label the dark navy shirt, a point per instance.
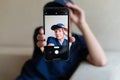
(56, 42)
(38, 68)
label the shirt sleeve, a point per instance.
(81, 47)
(51, 40)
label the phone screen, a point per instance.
(56, 27)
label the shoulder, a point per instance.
(79, 46)
(80, 43)
(51, 38)
(79, 38)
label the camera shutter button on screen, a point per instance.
(56, 52)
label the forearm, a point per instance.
(96, 52)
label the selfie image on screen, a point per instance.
(56, 30)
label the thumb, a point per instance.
(71, 40)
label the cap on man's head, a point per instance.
(57, 3)
(59, 25)
(63, 2)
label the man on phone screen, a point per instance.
(59, 39)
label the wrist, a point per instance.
(42, 49)
(82, 25)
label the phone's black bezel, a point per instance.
(60, 11)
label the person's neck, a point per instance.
(61, 40)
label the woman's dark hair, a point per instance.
(37, 52)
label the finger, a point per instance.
(73, 7)
(76, 9)
(66, 29)
(40, 37)
(41, 31)
(72, 16)
(72, 39)
(41, 43)
(42, 49)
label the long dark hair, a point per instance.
(37, 52)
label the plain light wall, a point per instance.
(19, 18)
(103, 17)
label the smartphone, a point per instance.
(56, 28)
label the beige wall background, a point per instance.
(19, 18)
